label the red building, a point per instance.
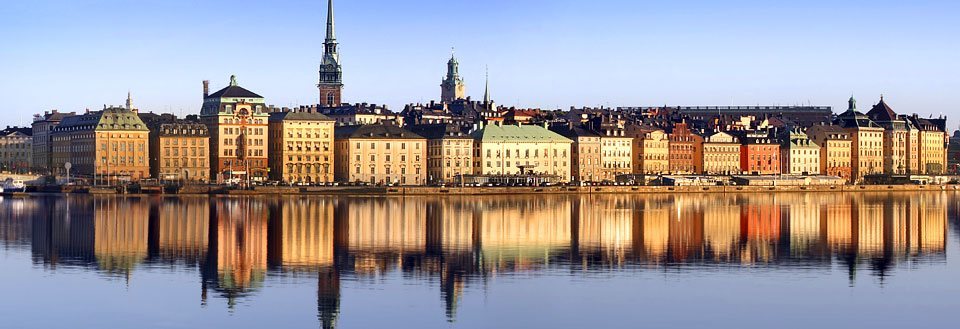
(759, 154)
(682, 149)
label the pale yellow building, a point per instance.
(379, 154)
(586, 154)
(867, 143)
(514, 149)
(301, 147)
(799, 155)
(616, 154)
(449, 152)
(237, 121)
(719, 154)
(835, 149)
(104, 146)
(931, 148)
(651, 150)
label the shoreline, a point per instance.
(552, 190)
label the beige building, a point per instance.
(379, 154)
(932, 147)
(867, 142)
(586, 153)
(617, 155)
(179, 149)
(104, 146)
(719, 154)
(43, 126)
(896, 140)
(651, 150)
(449, 152)
(798, 154)
(237, 121)
(301, 147)
(16, 150)
(835, 149)
(514, 149)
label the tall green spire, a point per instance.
(486, 88)
(331, 35)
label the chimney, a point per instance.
(206, 88)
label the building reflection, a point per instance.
(460, 243)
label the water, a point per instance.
(878, 260)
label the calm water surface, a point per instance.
(614, 261)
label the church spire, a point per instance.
(852, 104)
(331, 34)
(331, 74)
(129, 101)
(486, 88)
(452, 87)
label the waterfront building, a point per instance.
(719, 154)
(798, 154)
(803, 116)
(759, 154)
(379, 154)
(586, 155)
(682, 148)
(237, 121)
(449, 151)
(43, 126)
(179, 149)
(616, 147)
(867, 142)
(932, 146)
(835, 149)
(521, 149)
(896, 140)
(16, 149)
(331, 73)
(452, 88)
(106, 146)
(300, 147)
(651, 149)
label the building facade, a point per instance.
(179, 149)
(521, 149)
(105, 146)
(449, 152)
(799, 155)
(43, 126)
(16, 150)
(932, 147)
(682, 148)
(759, 154)
(651, 150)
(237, 121)
(897, 150)
(835, 150)
(867, 142)
(586, 152)
(379, 154)
(719, 154)
(301, 147)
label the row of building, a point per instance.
(237, 137)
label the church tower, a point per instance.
(452, 88)
(331, 74)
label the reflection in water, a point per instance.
(456, 242)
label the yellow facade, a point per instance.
(505, 149)
(719, 154)
(932, 153)
(651, 152)
(104, 146)
(448, 158)
(616, 156)
(301, 148)
(867, 152)
(380, 154)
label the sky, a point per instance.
(73, 55)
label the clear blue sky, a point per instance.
(76, 54)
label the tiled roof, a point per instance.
(882, 112)
(438, 131)
(234, 92)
